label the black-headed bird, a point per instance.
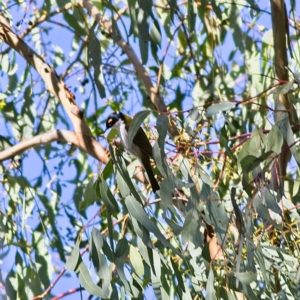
(140, 147)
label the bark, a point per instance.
(279, 23)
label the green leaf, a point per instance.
(123, 178)
(159, 152)
(136, 211)
(122, 252)
(239, 221)
(143, 11)
(250, 162)
(192, 10)
(275, 140)
(261, 262)
(224, 143)
(133, 25)
(146, 252)
(217, 215)
(122, 249)
(74, 258)
(166, 193)
(179, 276)
(155, 33)
(108, 170)
(156, 276)
(191, 228)
(86, 281)
(105, 194)
(135, 125)
(112, 135)
(263, 212)
(271, 201)
(283, 123)
(246, 277)
(210, 290)
(89, 196)
(99, 261)
(95, 61)
(75, 21)
(216, 108)
(192, 119)
(136, 261)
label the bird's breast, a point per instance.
(133, 150)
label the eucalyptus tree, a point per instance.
(214, 86)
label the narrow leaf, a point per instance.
(246, 277)
(216, 108)
(136, 261)
(95, 60)
(86, 281)
(210, 290)
(73, 260)
(135, 125)
(136, 211)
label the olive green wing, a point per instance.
(143, 142)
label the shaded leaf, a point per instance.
(89, 196)
(95, 60)
(99, 260)
(250, 162)
(191, 228)
(136, 211)
(271, 201)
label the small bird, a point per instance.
(140, 148)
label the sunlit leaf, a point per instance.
(210, 291)
(73, 260)
(135, 125)
(216, 108)
(136, 261)
(86, 281)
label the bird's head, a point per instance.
(114, 119)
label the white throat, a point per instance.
(123, 134)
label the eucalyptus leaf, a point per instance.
(216, 108)
(135, 125)
(136, 211)
(86, 281)
(210, 291)
(74, 258)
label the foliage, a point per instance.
(225, 223)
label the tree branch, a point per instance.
(65, 136)
(279, 19)
(56, 87)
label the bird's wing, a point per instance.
(143, 142)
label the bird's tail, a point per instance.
(151, 177)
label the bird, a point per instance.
(140, 147)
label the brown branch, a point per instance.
(56, 135)
(69, 292)
(279, 20)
